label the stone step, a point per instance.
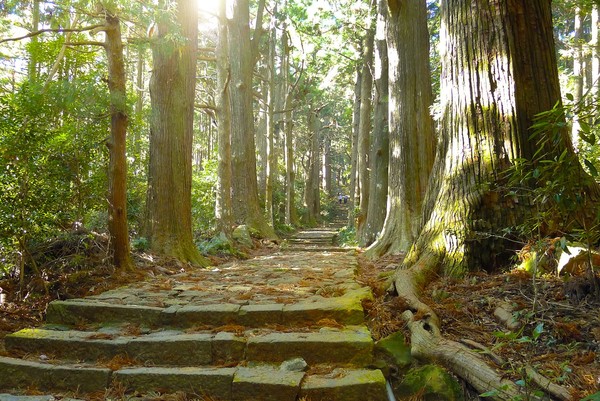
(17, 373)
(319, 239)
(346, 309)
(349, 346)
(252, 383)
(314, 248)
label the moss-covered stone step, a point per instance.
(259, 383)
(346, 346)
(345, 385)
(351, 345)
(17, 373)
(253, 383)
(346, 309)
(161, 348)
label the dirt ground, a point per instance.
(558, 337)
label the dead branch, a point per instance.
(55, 30)
(555, 390)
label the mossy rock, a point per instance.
(218, 244)
(431, 383)
(394, 350)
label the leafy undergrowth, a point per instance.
(559, 337)
(73, 266)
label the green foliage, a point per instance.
(203, 197)
(593, 397)
(347, 237)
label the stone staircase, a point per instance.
(287, 326)
(322, 239)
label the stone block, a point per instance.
(265, 383)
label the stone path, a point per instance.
(288, 326)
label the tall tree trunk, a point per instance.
(139, 105)
(271, 164)
(412, 143)
(595, 46)
(117, 175)
(35, 26)
(379, 159)
(354, 149)
(172, 92)
(326, 166)
(364, 132)
(498, 72)
(291, 217)
(578, 71)
(312, 196)
(223, 203)
(486, 127)
(246, 208)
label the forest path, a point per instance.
(285, 326)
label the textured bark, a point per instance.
(494, 81)
(354, 150)
(312, 199)
(117, 169)
(246, 208)
(498, 71)
(291, 215)
(271, 164)
(326, 166)
(578, 71)
(172, 90)
(139, 104)
(595, 46)
(223, 203)
(364, 132)
(379, 159)
(412, 143)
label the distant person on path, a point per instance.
(340, 197)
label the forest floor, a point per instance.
(560, 339)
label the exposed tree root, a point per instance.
(428, 344)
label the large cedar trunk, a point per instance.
(172, 89)
(246, 207)
(379, 158)
(412, 143)
(117, 176)
(498, 71)
(488, 103)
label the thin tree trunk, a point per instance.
(312, 188)
(578, 71)
(412, 143)
(32, 66)
(595, 45)
(271, 155)
(354, 150)
(379, 159)
(139, 105)
(326, 166)
(223, 203)
(117, 176)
